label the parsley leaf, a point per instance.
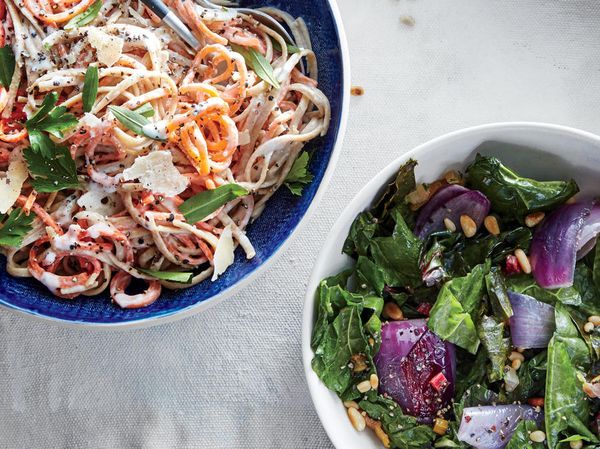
(299, 175)
(7, 65)
(85, 17)
(14, 229)
(51, 118)
(257, 62)
(90, 88)
(50, 165)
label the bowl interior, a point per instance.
(281, 216)
(535, 150)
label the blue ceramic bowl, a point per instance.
(269, 233)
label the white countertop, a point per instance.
(232, 377)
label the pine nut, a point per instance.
(534, 219)
(357, 420)
(523, 261)
(594, 319)
(576, 444)
(537, 436)
(516, 364)
(371, 423)
(450, 226)
(351, 404)
(516, 356)
(383, 437)
(392, 311)
(468, 226)
(364, 386)
(521, 350)
(453, 177)
(588, 327)
(359, 363)
(374, 380)
(491, 224)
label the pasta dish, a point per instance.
(130, 161)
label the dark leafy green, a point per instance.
(404, 431)
(394, 197)
(514, 195)
(532, 378)
(526, 285)
(361, 233)
(455, 312)
(521, 440)
(369, 275)
(496, 288)
(491, 334)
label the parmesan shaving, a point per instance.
(108, 48)
(224, 253)
(157, 173)
(10, 186)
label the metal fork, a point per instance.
(259, 16)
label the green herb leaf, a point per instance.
(514, 195)
(14, 229)
(146, 110)
(85, 17)
(51, 118)
(205, 203)
(50, 165)
(90, 88)
(299, 175)
(173, 276)
(258, 63)
(290, 48)
(132, 120)
(7, 65)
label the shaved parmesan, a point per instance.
(10, 185)
(224, 253)
(98, 200)
(157, 173)
(108, 48)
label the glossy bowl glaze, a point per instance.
(536, 150)
(269, 233)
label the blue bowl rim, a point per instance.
(171, 316)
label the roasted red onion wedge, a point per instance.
(553, 251)
(532, 323)
(451, 202)
(492, 426)
(416, 368)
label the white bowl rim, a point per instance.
(348, 214)
(230, 291)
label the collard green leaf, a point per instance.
(50, 165)
(7, 65)
(15, 228)
(205, 203)
(520, 438)
(325, 307)
(257, 62)
(398, 255)
(513, 195)
(496, 288)
(532, 378)
(471, 371)
(343, 338)
(395, 195)
(369, 275)
(404, 431)
(90, 88)
(86, 17)
(454, 313)
(568, 332)
(51, 118)
(173, 276)
(361, 233)
(584, 284)
(525, 284)
(497, 347)
(299, 176)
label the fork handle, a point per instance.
(157, 7)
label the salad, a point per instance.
(471, 317)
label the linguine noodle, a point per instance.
(214, 122)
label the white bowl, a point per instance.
(537, 150)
